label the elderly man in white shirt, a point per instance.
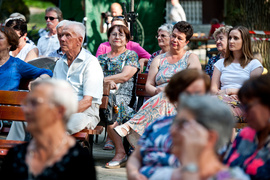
(49, 43)
(83, 71)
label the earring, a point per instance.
(25, 39)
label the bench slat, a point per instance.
(12, 97)
(11, 113)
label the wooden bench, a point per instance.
(10, 110)
(140, 89)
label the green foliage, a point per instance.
(38, 3)
(8, 7)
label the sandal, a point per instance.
(108, 145)
(118, 130)
(117, 164)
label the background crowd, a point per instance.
(185, 130)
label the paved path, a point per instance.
(101, 157)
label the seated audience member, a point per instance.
(237, 66)
(13, 69)
(202, 126)
(214, 25)
(142, 53)
(25, 51)
(49, 43)
(221, 38)
(163, 37)
(51, 153)
(251, 147)
(162, 69)
(120, 67)
(84, 73)
(154, 147)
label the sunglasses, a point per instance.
(51, 18)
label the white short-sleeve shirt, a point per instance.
(84, 74)
(47, 44)
(233, 75)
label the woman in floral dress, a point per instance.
(161, 70)
(120, 67)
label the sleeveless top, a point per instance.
(24, 51)
(167, 70)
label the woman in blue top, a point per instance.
(13, 69)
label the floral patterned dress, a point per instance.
(112, 66)
(159, 104)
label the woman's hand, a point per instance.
(159, 89)
(194, 139)
(111, 84)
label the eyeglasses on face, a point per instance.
(120, 35)
(51, 18)
(162, 36)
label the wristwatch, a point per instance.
(191, 167)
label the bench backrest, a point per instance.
(140, 89)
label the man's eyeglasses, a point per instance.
(162, 36)
(49, 17)
(118, 17)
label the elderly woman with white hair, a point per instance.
(163, 37)
(202, 126)
(51, 153)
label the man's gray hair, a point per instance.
(78, 28)
(211, 113)
(62, 23)
(62, 94)
(166, 27)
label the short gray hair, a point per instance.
(77, 27)
(166, 27)
(62, 23)
(62, 94)
(211, 113)
(222, 30)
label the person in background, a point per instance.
(257, 55)
(202, 126)
(251, 147)
(120, 67)
(177, 13)
(116, 10)
(51, 153)
(162, 69)
(163, 37)
(13, 69)
(154, 147)
(221, 37)
(25, 51)
(131, 45)
(214, 25)
(49, 43)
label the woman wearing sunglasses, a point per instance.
(25, 51)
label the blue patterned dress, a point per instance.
(112, 66)
(209, 68)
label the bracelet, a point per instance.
(191, 167)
